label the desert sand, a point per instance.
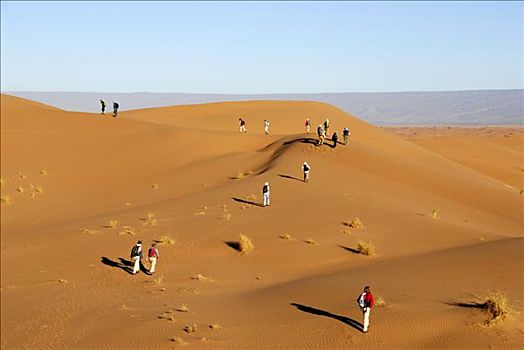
(442, 207)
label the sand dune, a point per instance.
(189, 169)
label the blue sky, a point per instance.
(261, 47)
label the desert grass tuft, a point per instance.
(245, 244)
(126, 230)
(20, 174)
(200, 277)
(242, 174)
(183, 308)
(310, 241)
(111, 224)
(366, 248)
(43, 172)
(380, 301)
(435, 215)
(496, 306)
(39, 190)
(165, 240)
(355, 223)
(6, 200)
(87, 231)
(251, 197)
(61, 280)
(285, 237)
(215, 326)
(20, 189)
(150, 219)
(154, 186)
(190, 329)
(178, 340)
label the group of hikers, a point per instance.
(137, 255)
(115, 107)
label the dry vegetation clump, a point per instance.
(183, 308)
(178, 340)
(251, 197)
(154, 186)
(242, 174)
(87, 230)
(226, 216)
(167, 315)
(111, 224)
(215, 326)
(20, 189)
(200, 277)
(286, 237)
(310, 241)
(158, 280)
(435, 215)
(380, 301)
(366, 248)
(165, 240)
(20, 174)
(126, 230)
(6, 200)
(61, 280)
(245, 244)
(496, 305)
(150, 219)
(190, 329)
(355, 223)
(43, 172)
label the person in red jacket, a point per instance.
(366, 302)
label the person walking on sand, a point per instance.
(115, 109)
(321, 135)
(307, 124)
(305, 169)
(334, 138)
(326, 126)
(103, 106)
(345, 133)
(242, 124)
(366, 302)
(136, 256)
(266, 126)
(265, 194)
(152, 256)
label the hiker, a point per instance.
(326, 126)
(346, 133)
(321, 135)
(366, 302)
(152, 256)
(334, 138)
(242, 124)
(266, 126)
(306, 168)
(103, 105)
(136, 256)
(115, 108)
(265, 194)
(308, 125)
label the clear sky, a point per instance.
(261, 47)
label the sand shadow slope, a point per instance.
(311, 310)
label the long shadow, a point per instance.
(311, 310)
(121, 265)
(290, 177)
(233, 244)
(309, 140)
(241, 200)
(352, 250)
(471, 305)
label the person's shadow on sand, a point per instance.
(123, 264)
(311, 310)
(245, 201)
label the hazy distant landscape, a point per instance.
(478, 107)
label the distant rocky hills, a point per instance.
(475, 107)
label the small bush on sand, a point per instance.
(251, 197)
(165, 240)
(245, 244)
(6, 200)
(496, 305)
(355, 223)
(366, 248)
(215, 326)
(126, 230)
(183, 308)
(43, 172)
(380, 301)
(285, 237)
(242, 174)
(87, 231)
(20, 189)
(154, 186)
(111, 224)
(150, 219)
(200, 277)
(20, 174)
(435, 215)
(39, 190)
(178, 340)
(310, 241)
(190, 329)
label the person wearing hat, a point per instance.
(306, 168)
(136, 256)
(265, 194)
(152, 256)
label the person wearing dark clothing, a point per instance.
(103, 105)
(334, 138)
(305, 169)
(115, 108)
(346, 135)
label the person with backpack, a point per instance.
(266, 126)
(305, 169)
(308, 125)
(152, 256)
(103, 106)
(326, 126)
(366, 302)
(321, 135)
(334, 138)
(115, 108)
(345, 133)
(242, 124)
(136, 256)
(265, 194)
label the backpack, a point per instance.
(361, 300)
(152, 252)
(306, 168)
(134, 251)
(265, 189)
(116, 105)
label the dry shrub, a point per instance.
(126, 230)
(165, 240)
(178, 340)
(366, 248)
(251, 197)
(190, 329)
(226, 216)
(435, 215)
(6, 200)
(154, 186)
(310, 241)
(355, 223)
(20, 174)
(380, 301)
(33, 195)
(20, 189)
(243, 174)
(111, 224)
(88, 231)
(39, 190)
(158, 280)
(167, 315)
(245, 244)
(200, 277)
(150, 219)
(43, 172)
(285, 237)
(61, 280)
(215, 326)
(183, 308)
(496, 305)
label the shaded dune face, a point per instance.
(83, 188)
